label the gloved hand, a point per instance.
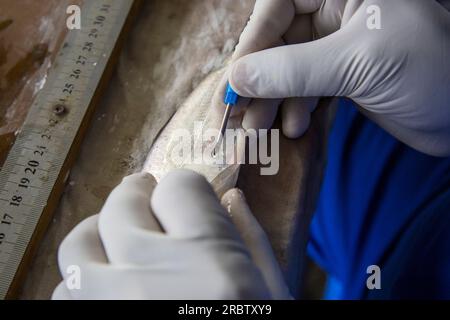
(123, 254)
(399, 74)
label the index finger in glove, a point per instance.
(257, 242)
(187, 207)
(126, 219)
(269, 22)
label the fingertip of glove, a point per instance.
(184, 177)
(176, 181)
(295, 129)
(239, 77)
(138, 177)
(231, 198)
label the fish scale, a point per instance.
(198, 109)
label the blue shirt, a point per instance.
(381, 203)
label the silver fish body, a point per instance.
(282, 203)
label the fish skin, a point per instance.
(197, 108)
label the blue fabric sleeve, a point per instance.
(381, 203)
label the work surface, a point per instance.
(172, 47)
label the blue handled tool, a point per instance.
(230, 99)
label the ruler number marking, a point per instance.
(31, 169)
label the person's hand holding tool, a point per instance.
(399, 74)
(202, 253)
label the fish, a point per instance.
(194, 119)
(282, 203)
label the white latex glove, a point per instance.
(399, 75)
(123, 254)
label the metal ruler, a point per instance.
(33, 175)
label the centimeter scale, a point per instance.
(33, 175)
